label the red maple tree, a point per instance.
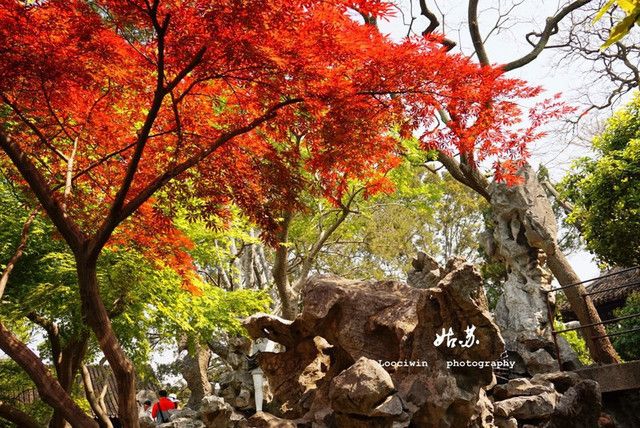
(105, 102)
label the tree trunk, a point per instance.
(281, 270)
(17, 416)
(48, 387)
(194, 371)
(601, 349)
(67, 365)
(98, 320)
(96, 404)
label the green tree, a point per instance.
(628, 344)
(605, 191)
(147, 300)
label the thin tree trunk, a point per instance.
(600, 350)
(67, 364)
(19, 251)
(48, 387)
(97, 318)
(94, 401)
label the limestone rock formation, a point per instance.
(523, 227)
(350, 332)
(236, 384)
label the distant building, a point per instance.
(609, 292)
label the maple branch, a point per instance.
(465, 174)
(69, 177)
(433, 24)
(48, 387)
(18, 253)
(67, 228)
(188, 69)
(474, 31)
(550, 28)
(310, 257)
(43, 139)
(160, 181)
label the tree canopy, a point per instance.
(605, 191)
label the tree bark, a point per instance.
(17, 416)
(24, 235)
(48, 387)
(194, 371)
(67, 363)
(601, 349)
(281, 269)
(97, 318)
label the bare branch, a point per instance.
(550, 28)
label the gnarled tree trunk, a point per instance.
(98, 319)
(193, 368)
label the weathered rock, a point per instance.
(386, 322)
(392, 406)
(524, 226)
(426, 272)
(561, 380)
(360, 388)
(236, 384)
(215, 412)
(579, 406)
(570, 360)
(267, 420)
(527, 407)
(506, 422)
(182, 413)
(183, 423)
(484, 417)
(147, 422)
(520, 387)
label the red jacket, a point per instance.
(165, 404)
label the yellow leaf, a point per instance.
(620, 30)
(604, 9)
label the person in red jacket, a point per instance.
(160, 411)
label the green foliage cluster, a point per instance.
(426, 212)
(605, 191)
(628, 344)
(576, 342)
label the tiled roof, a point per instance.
(612, 288)
(102, 375)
